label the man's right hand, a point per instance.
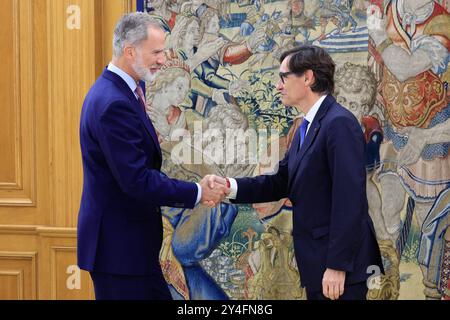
(213, 180)
(214, 190)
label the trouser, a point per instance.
(130, 287)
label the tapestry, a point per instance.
(217, 92)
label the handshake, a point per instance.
(214, 190)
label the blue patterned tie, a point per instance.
(303, 128)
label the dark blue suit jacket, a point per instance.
(326, 182)
(120, 223)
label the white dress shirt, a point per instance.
(125, 76)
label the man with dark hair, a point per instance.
(324, 176)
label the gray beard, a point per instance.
(143, 73)
(148, 77)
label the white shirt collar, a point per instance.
(313, 111)
(125, 76)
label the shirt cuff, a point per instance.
(199, 194)
(233, 189)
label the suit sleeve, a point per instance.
(121, 138)
(264, 188)
(345, 147)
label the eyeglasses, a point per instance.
(283, 75)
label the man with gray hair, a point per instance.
(119, 223)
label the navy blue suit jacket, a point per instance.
(326, 182)
(119, 222)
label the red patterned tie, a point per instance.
(141, 96)
(141, 99)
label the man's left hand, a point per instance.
(333, 283)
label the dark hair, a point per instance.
(312, 58)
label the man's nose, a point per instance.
(162, 58)
(279, 85)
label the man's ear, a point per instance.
(309, 78)
(129, 52)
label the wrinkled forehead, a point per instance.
(156, 31)
(156, 36)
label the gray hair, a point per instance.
(132, 29)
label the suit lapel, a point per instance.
(149, 126)
(298, 156)
(142, 115)
(309, 139)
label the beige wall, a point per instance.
(47, 70)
